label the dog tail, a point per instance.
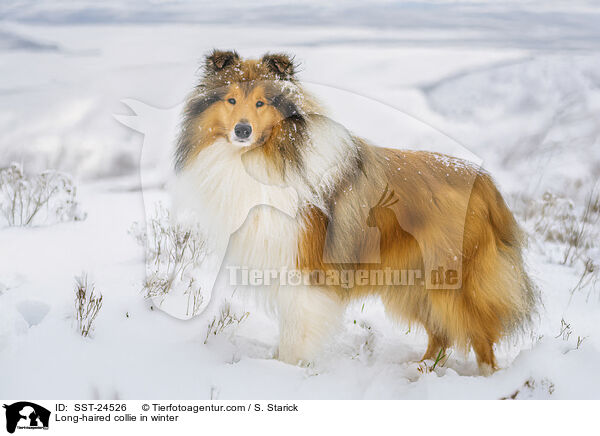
(510, 242)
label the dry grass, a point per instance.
(565, 330)
(544, 385)
(227, 318)
(582, 232)
(567, 232)
(87, 304)
(45, 198)
(173, 255)
(557, 219)
(588, 280)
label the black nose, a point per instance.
(242, 130)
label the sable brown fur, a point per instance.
(496, 297)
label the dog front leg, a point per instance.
(308, 316)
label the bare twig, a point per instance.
(87, 304)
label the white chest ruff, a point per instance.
(252, 222)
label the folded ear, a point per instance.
(217, 60)
(280, 64)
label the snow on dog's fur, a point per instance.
(276, 184)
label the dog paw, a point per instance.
(486, 370)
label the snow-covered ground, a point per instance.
(514, 85)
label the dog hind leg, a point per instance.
(436, 343)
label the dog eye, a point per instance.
(231, 100)
(260, 103)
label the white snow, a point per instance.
(514, 86)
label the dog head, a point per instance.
(240, 101)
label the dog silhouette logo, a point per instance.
(26, 415)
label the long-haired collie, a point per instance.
(279, 187)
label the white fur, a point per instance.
(485, 369)
(307, 316)
(216, 192)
